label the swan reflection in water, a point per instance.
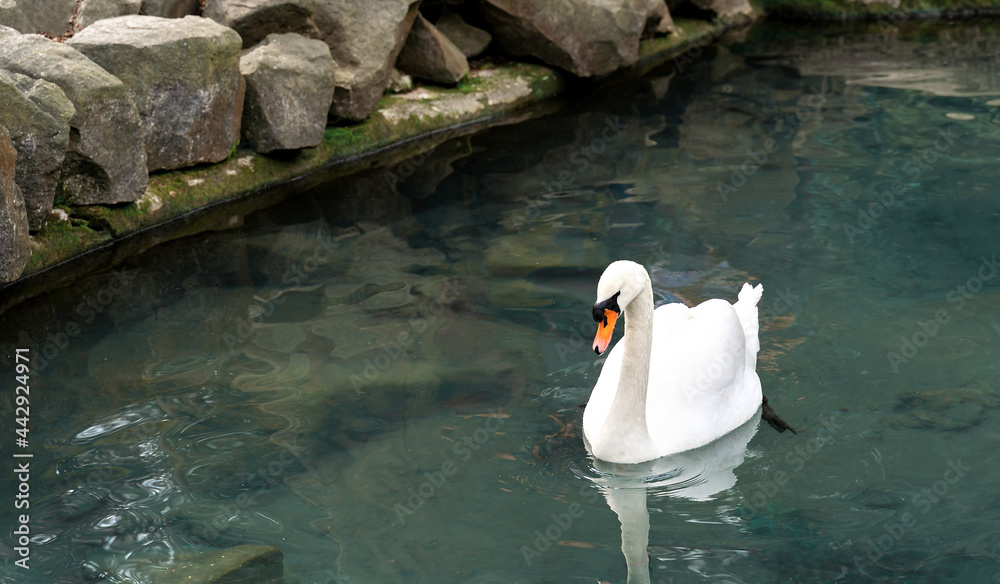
(697, 475)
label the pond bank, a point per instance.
(190, 200)
(215, 197)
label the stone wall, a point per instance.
(104, 92)
(98, 94)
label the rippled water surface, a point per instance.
(383, 377)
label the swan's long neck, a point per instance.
(626, 420)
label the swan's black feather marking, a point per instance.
(773, 420)
(609, 304)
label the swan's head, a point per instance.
(620, 283)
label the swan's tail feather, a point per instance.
(746, 309)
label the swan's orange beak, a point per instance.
(604, 330)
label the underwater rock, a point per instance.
(168, 8)
(469, 39)
(250, 564)
(430, 55)
(595, 37)
(538, 248)
(38, 16)
(103, 163)
(255, 19)
(289, 91)
(364, 37)
(37, 115)
(15, 248)
(944, 409)
(191, 106)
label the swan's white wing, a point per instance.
(698, 376)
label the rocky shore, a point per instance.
(126, 116)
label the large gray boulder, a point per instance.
(365, 37)
(93, 10)
(289, 91)
(37, 115)
(469, 39)
(724, 8)
(168, 8)
(105, 162)
(430, 55)
(37, 16)
(255, 19)
(584, 37)
(183, 75)
(15, 247)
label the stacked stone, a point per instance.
(142, 86)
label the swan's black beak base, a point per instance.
(606, 313)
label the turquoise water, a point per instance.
(383, 377)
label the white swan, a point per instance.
(680, 377)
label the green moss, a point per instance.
(688, 33)
(61, 240)
(850, 9)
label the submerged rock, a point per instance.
(428, 54)
(183, 75)
(38, 16)
(15, 248)
(104, 163)
(953, 409)
(584, 37)
(469, 39)
(251, 564)
(37, 115)
(365, 37)
(168, 8)
(255, 19)
(289, 91)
